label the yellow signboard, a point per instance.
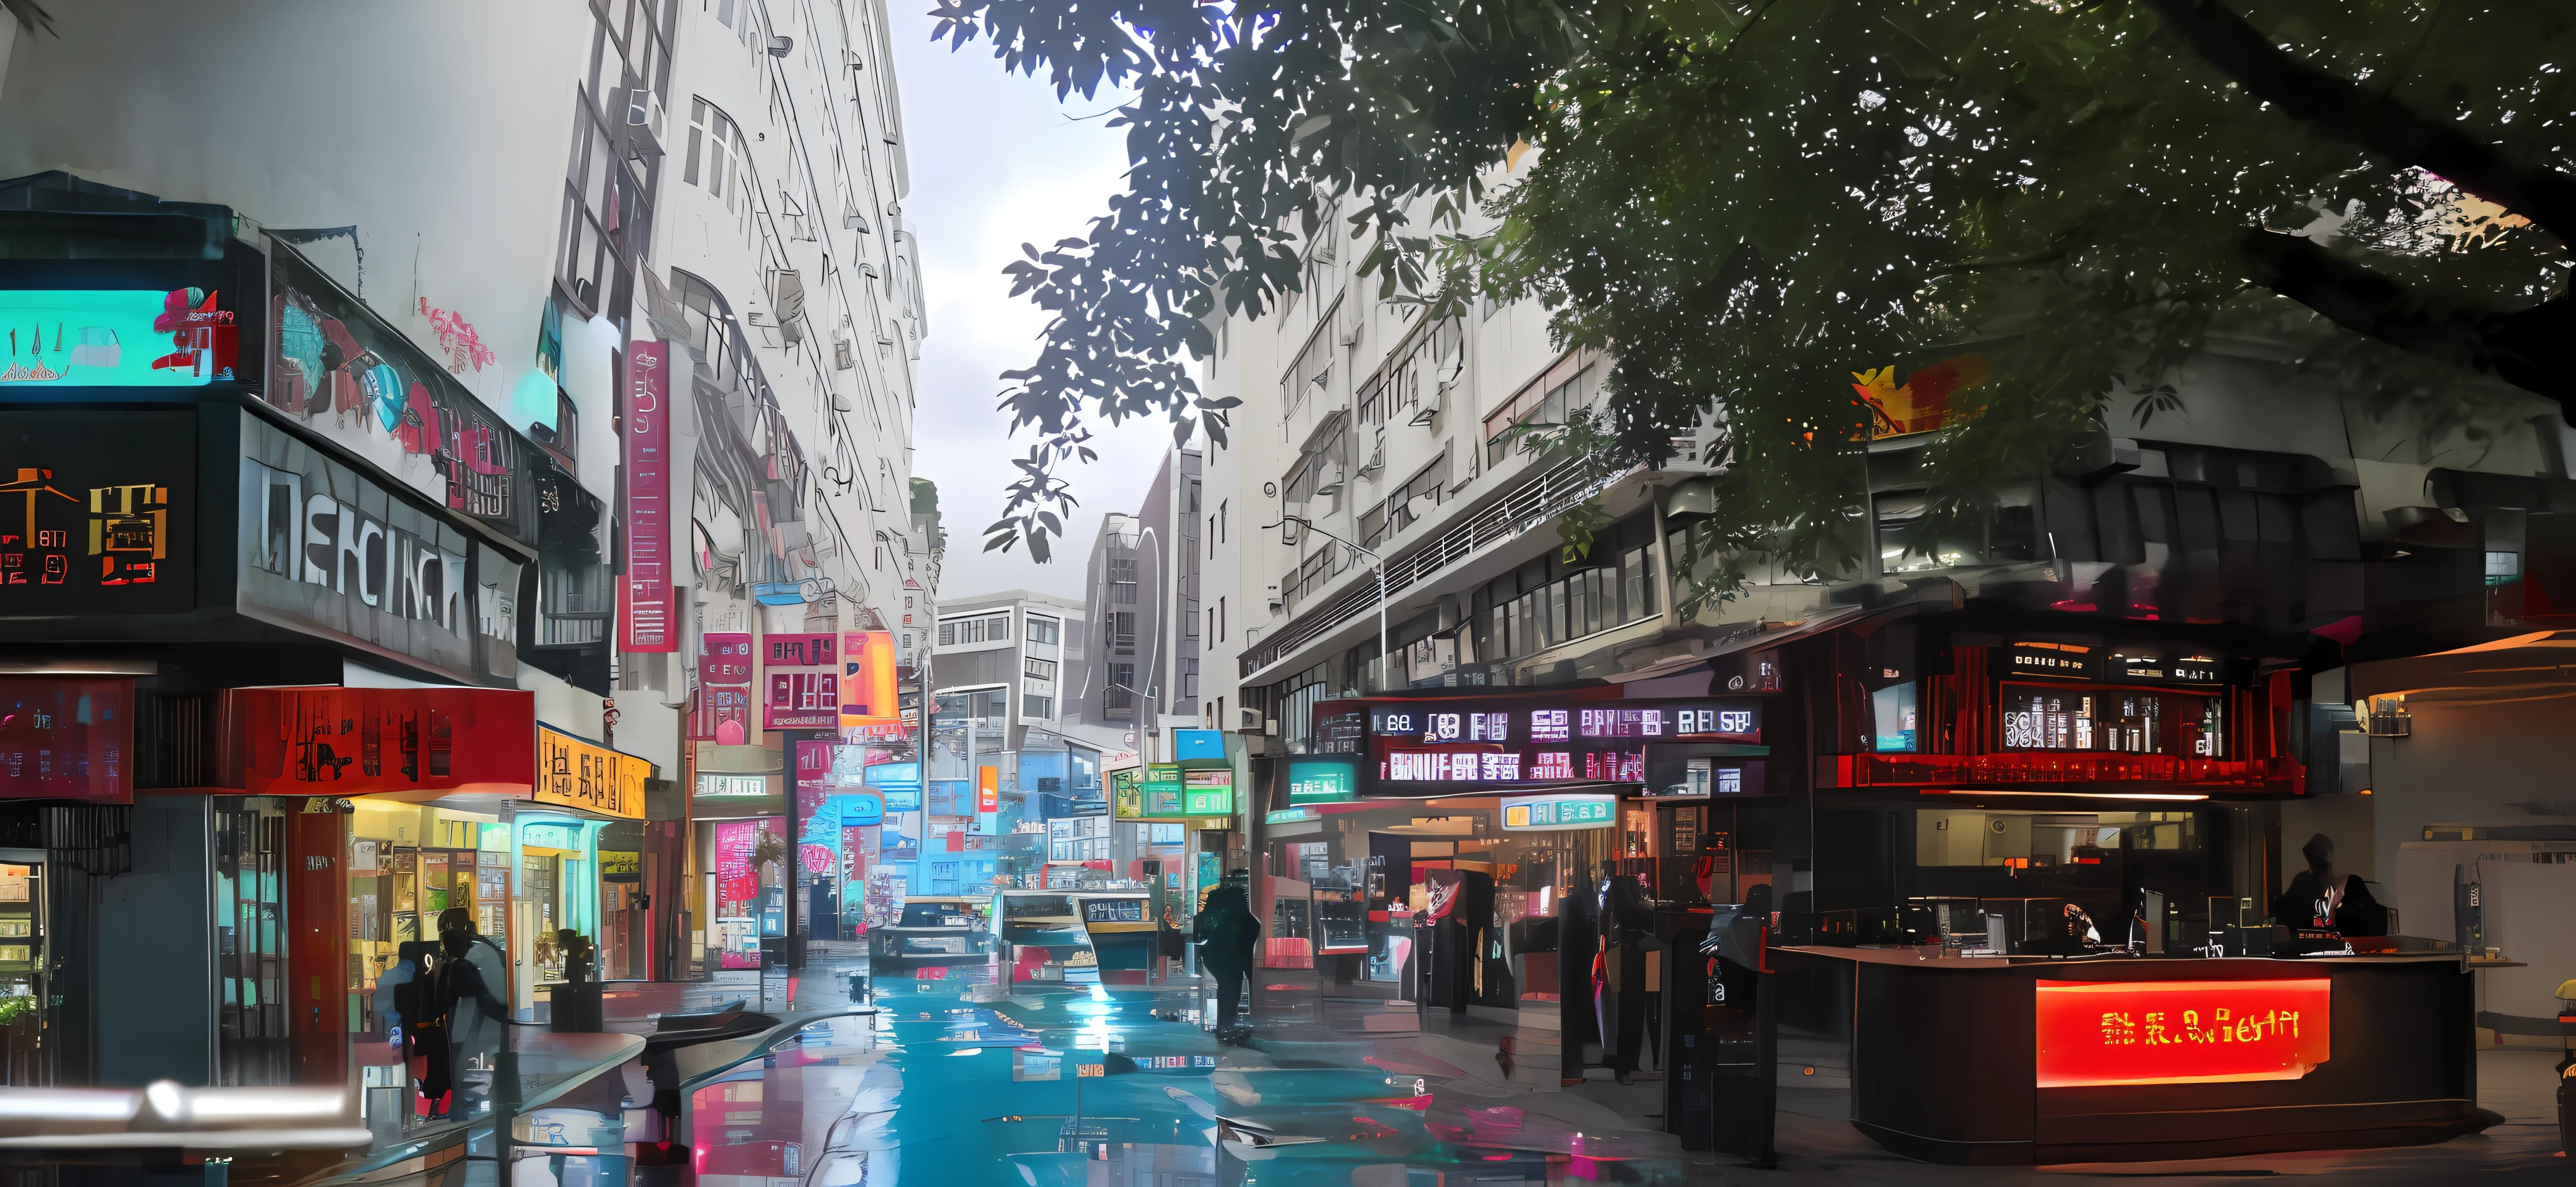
(586, 775)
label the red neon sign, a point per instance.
(2182, 1032)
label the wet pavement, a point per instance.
(958, 1082)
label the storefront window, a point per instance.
(2038, 717)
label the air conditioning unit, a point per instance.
(1277, 604)
(1350, 335)
(842, 357)
(1431, 404)
(885, 333)
(852, 219)
(787, 292)
(1250, 721)
(647, 125)
(1376, 459)
(1328, 478)
(793, 331)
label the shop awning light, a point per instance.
(2079, 795)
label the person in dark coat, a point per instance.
(1226, 933)
(459, 1001)
(2320, 898)
(1620, 989)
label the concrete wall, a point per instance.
(2488, 763)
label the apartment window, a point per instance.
(1220, 618)
(907, 642)
(1121, 692)
(1572, 383)
(1037, 669)
(947, 634)
(1220, 519)
(1419, 495)
(1211, 537)
(1042, 630)
(1035, 706)
(1122, 628)
(1211, 622)
(608, 194)
(1373, 403)
(1190, 678)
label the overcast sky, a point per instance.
(995, 162)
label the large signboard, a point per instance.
(648, 622)
(327, 551)
(68, 739)
(63, 338)
(582, 774)
(361, 741)
(341, 371)
(1417, 748)
(98, 512)
(804, 682)
(2182, 1032)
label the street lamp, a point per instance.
(1376, 563)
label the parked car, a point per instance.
(941, 930)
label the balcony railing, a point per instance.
(1525, 507)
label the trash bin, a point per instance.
(578, 1008)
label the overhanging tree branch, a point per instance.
(2512, 346)
(2338, 107)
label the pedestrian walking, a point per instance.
(1227, 933)
(475, 1036)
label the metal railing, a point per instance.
(1523, 508)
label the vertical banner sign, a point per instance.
(988, 789)
(647, 458)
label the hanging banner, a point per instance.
(739, 877)
(362, 741)
(649, 624)
(988, 789)
(804, 682)
(587, 775)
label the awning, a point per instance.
(2542, 662)
(1692, 675)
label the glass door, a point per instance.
(251, 937)
(23, 1061)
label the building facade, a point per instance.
(465, 447)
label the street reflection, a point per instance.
(1058, 1086)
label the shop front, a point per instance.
(2035, 922)
(1461, 852)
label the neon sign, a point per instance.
(2182, 1032)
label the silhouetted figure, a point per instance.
(1227, 933)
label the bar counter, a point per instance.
(2034, 1060)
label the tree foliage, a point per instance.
(1746, 201)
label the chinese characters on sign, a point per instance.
(804, 681)
(586, 775)
(2182, 1032)
(354, 741)
(647, 444)
(1540, 813)
(66, 739)
(95, 512)
(1483, 741)
(723, 712)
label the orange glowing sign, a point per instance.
(2182, 1032)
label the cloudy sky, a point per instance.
(996, 162)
